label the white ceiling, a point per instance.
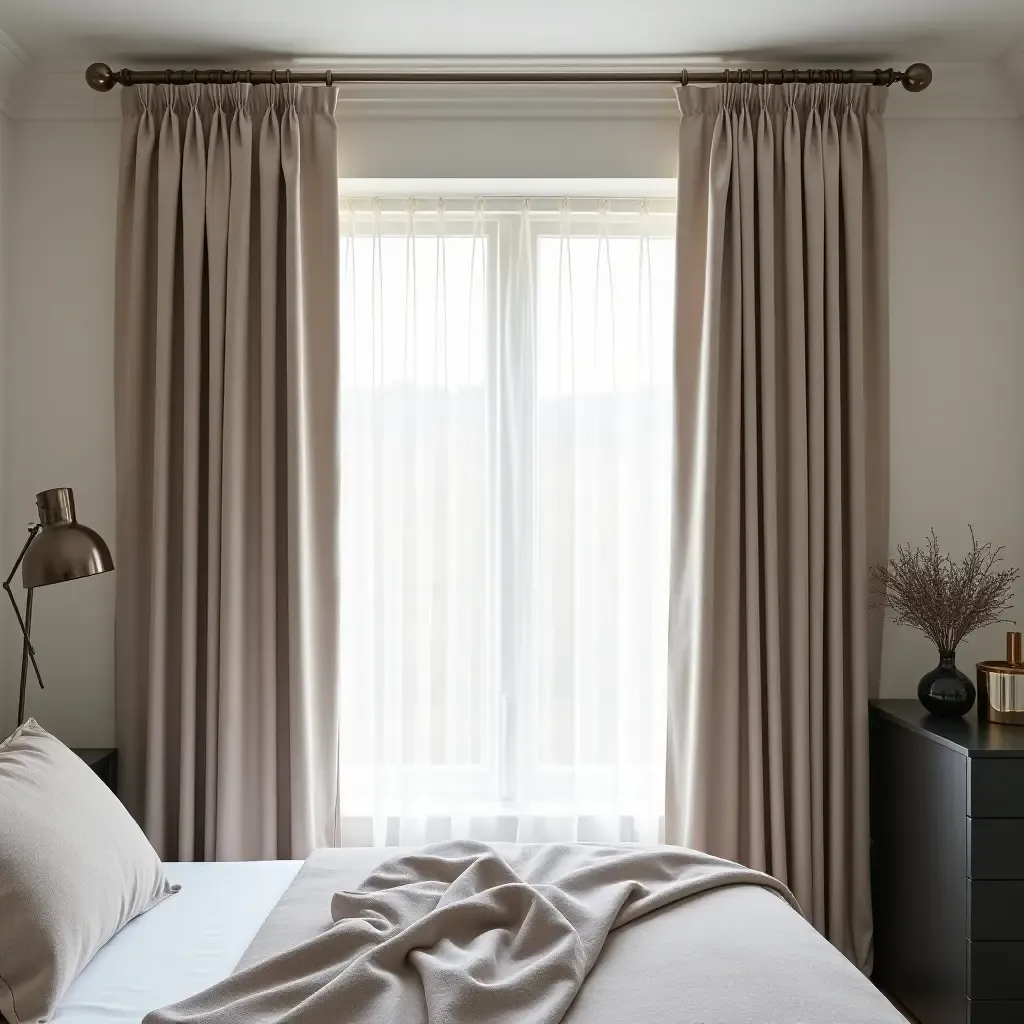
(239, 30)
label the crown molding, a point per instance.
(984, 90)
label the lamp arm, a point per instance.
(33, 530)
(24, 632)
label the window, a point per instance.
(506, 423)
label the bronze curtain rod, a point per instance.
(103, 78)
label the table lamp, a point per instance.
(58, 548)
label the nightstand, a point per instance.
(103, 761)
(947, 864)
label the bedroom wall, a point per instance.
(957, 241)
(57, 408)
(957, 355)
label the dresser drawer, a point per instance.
(995, 787)
(995, 849)
(995, 970)
(995, 910)
(994, 1011)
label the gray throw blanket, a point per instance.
(456, 933)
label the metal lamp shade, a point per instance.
(63, 549)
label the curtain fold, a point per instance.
(227, 325)
(781, 486)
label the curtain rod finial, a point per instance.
(917, 78)
(100, 77)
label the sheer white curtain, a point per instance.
(506, 423)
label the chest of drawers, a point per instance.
(947, 864)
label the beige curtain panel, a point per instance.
(227, 463)
(781, 488)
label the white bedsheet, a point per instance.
(181, 946)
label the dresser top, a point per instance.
(968, 735)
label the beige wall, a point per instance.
(957, 360)
(957, 198)
(57, 405)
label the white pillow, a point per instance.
(75, 868)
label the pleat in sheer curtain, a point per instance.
(506, 423)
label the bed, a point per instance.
(94, 929)
(734, 955)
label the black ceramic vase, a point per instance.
(946, 691)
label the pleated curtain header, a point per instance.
(695, 100)
(138, 100)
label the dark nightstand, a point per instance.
(947, 864)
(103, 761)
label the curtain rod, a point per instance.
(103, 78)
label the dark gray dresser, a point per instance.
(947, 864)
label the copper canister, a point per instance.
(1001, 685)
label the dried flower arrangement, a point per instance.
(942, 598)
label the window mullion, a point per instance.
(516, 505)
(506, 391)
(526, 748)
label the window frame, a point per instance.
(508, 223)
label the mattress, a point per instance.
(738, 955)
(731, 956)
(181, 946)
